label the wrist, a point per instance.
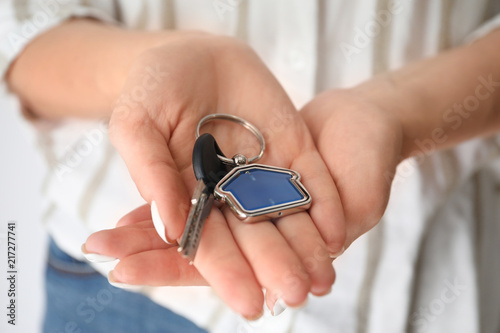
(129, 48)
(443, 100)
(77, 68)
(155, 54)
(397, 107)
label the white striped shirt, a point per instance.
(429, 266)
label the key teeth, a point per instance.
(185, 254)
(201, 204)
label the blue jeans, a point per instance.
(80, 300)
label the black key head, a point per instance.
(206, 164)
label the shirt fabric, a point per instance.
(428, 266)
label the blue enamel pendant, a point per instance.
(257, 192)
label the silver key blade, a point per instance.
(201, 204)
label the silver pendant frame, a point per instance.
(263, 214)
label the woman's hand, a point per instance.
(361, 144)
(77, 68)
(364, 132)
(169, 89)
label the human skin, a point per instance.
(430, 104)
(362, 134)
(155, 87)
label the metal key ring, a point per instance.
(240, 121)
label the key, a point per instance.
(209, 170)
(257, 192)
(201, 204)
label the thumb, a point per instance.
(144, 148)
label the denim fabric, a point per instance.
(80, 300)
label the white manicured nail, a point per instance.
(94, 257)
(279, 307)
(125, 286)
(158, 223)
(120, 285)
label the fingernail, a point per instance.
(112, 281)
(337, 254)
(255, 318)
(94, 257)
(322, 293)
(301, 305)
(158, 223)
(278, 307)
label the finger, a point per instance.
(218, 257)
(326, 208)
(145, 151)
(161, 267)
(275, 303)
(274, 263)
(224, 267)
(137, 215)
(125, 241)
(303, 237)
